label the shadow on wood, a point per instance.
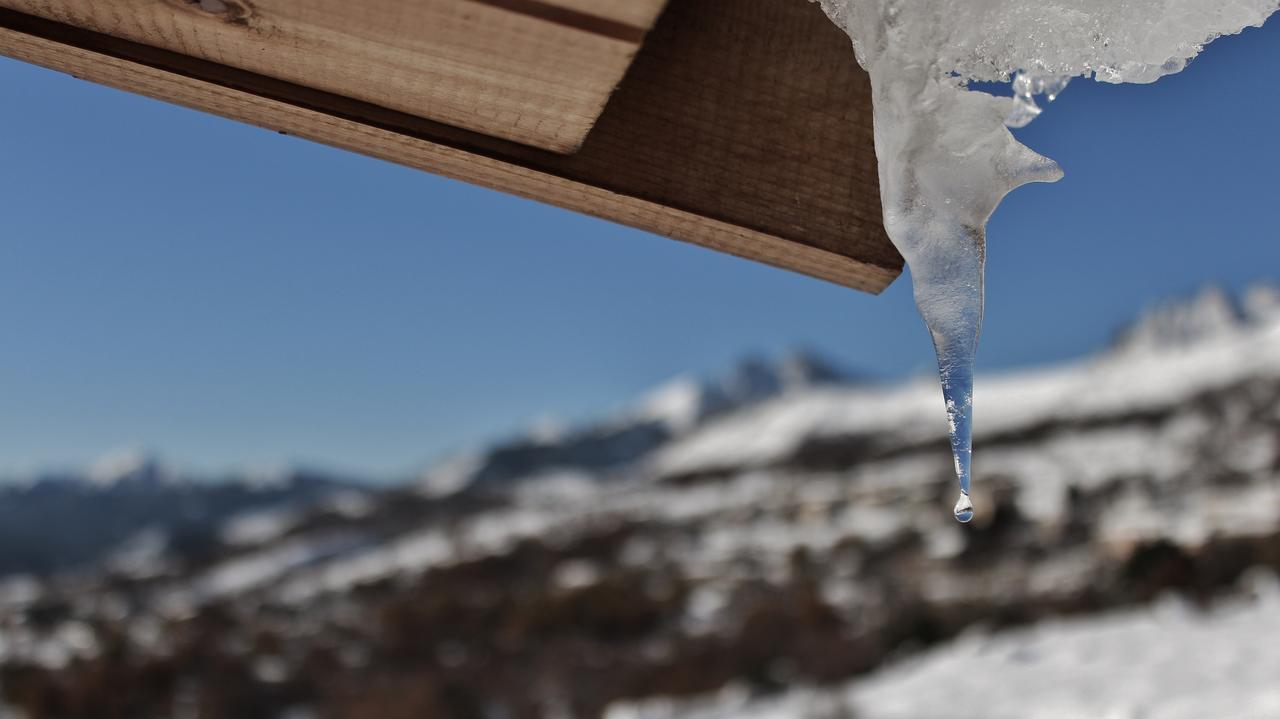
(742, 125)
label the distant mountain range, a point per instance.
(787, 523)
(70, 520)
(673, 410)
(758, 413)
(65, 520)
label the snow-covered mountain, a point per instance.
(672, 410)
(1171, 355)
(763, 413)
(1210, 314)
(128, 467)
(716, 543)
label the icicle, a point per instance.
(946, 156)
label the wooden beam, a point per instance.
(742, 125)
(532, 71)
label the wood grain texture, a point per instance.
(743, 126)
(636, 14)
(532, 71)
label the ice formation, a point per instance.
(946, 155)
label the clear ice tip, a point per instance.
(964, 508)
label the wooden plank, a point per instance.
(532, 71)
(743, 126)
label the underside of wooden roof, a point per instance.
(740, 125)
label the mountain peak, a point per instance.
(129, 466)
(685, 401)
(672, 409)
(1210, 314)
(806, 368)
(1261, 304)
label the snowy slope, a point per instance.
(1176, 353)
(1120, 428)
(1169, 661)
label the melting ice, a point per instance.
(946, 156)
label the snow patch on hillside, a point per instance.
(1168, 661)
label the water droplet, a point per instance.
(964, 508)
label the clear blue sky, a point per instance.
(232, 298)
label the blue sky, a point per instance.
(229, 297)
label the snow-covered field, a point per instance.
(1168, 661)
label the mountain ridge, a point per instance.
(803, 538)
